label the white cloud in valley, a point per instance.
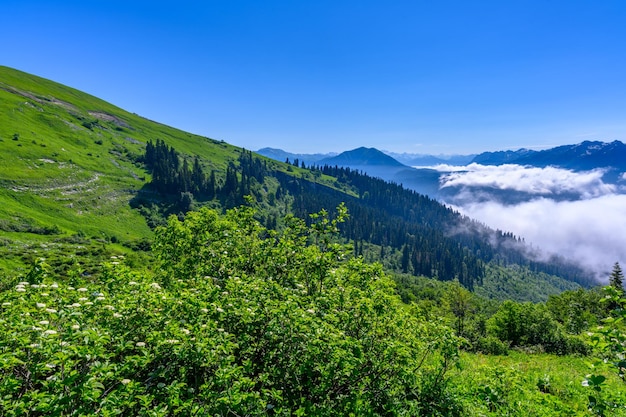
(590, 229)
(532, 180)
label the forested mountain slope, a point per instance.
(82, 179)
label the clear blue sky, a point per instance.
(328, 76)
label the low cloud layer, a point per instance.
(590, 229)
(535, 181)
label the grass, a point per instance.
(522, 384)
(68, 161)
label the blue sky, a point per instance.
(436, 77)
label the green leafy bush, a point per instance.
(609, 340)
(532, 326)
(237, 320)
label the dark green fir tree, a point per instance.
(616, 279)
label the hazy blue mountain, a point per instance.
(362, 156)
(281, 155)
(502, 157)
(579, 157)
(583, 156)
(430, 160)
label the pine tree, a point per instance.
(616, 279)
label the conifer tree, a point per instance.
(616, 279)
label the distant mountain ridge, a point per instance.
(282, 156)
(579, 157)
(415, 175)
(586, 155)
(422, 160)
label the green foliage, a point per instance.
(518, 283)
(609, 341)
(239, 320)
(532, 326)
(578, 310)
(520, 384)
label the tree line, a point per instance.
(430, 239)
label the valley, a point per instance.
(145, 270)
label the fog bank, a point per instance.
(590, 228)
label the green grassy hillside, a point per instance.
(69, 172)
(67, 167)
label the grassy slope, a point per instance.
(67, 166)
(527, 385)
(66, 162)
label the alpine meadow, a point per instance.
(147, 271)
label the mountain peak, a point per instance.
(362, 157)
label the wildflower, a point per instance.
(140, 344)
(49, 332)
(186, 331)
(310, 310)
(76, 305)
(6, 304)
(34, 286)
(125, 381)
(54, 285)
(220, 310)
(23, 284)
(63, 343)
(100, 298)
(51, 310)
(88, 303)
(20, 289)
(132, 283)
(34, 345)
(117, 315)
(75, 327)
(155, 286)
(44, 294)
(172, 341)
(70, 288)
(204, 310)
(82, 289)
(41, 305)
(50, 366)
(220, 329)
(44, 322)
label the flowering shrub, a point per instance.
(237, 320)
